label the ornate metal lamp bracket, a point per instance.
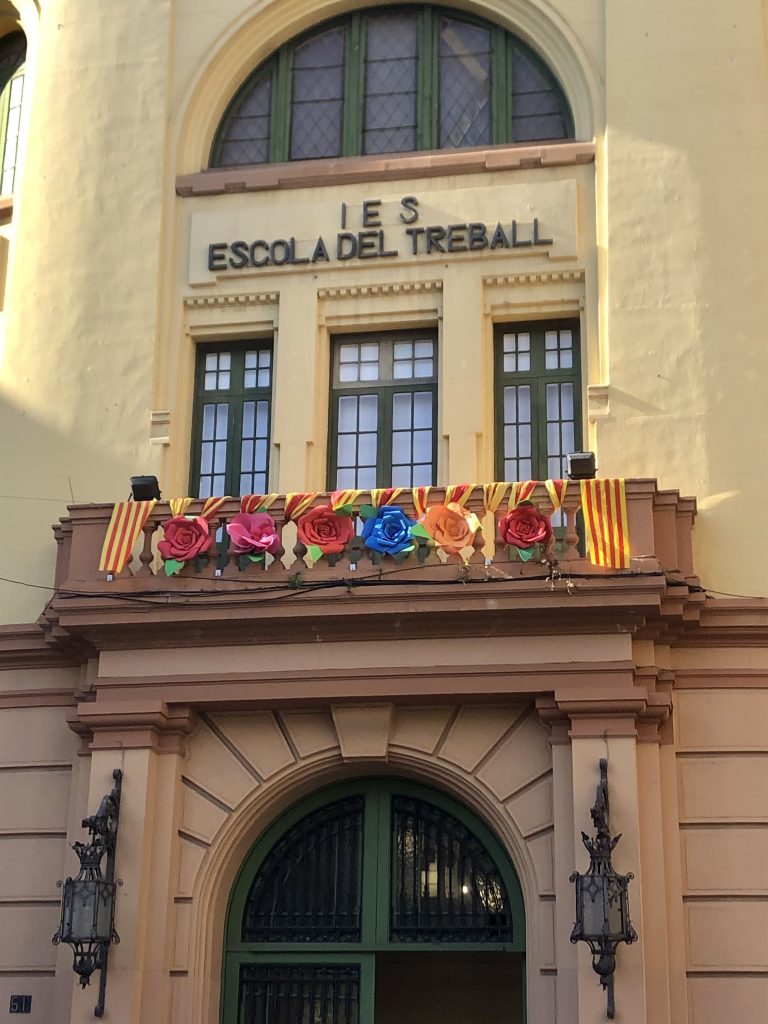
(602, 896)
(88, 902)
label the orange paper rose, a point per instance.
(451, 526)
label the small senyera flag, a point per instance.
(606, 523)
(127, 522)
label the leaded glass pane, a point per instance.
(537, 110)
(299, 994)
(309, 887)
(245, 139)
(391, 62)
(464, 84)
(445, 886)
(317, 100)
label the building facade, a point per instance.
(315, 262)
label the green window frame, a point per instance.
(13, 51)
(376, 853)
(232, 418)
(383, 410)
(538, 398)
(524, 101)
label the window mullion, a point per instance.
(354, 87)
(500, 92)
(426, 117)
(280, 126)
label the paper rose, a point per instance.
(183, 539)
(323, 528)
(389, 531)
(451, 526)
(253, 533)
(525, 526)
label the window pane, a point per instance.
(369, 405)
(401, 412)
(316, 106)
(537, 110)
(347, 414)
(246, 136)
(346, 450)
(401, 447)
(422, 409)
(464, 84)
(389, 118)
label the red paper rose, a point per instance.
(185, 538)
(321, 526)
(253, 533)
(525, 526)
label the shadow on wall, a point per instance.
(41, 469)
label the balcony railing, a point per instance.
(660, 527)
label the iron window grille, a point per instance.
(392, 80)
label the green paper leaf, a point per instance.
(314, 552)
(419, 531)
(367, 511)
(256, 558)
(172, 566)
(526, 554)
(345, 510)
(525, 501)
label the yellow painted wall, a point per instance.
(96, 335)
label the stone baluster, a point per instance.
(146, 556)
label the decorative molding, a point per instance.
(160, 427)
(122, 725)
(391, 167)
(227, 299)
(366, 290)
(598, 401)
(534, 277)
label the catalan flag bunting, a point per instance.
(493, 495)
(179, 506)
(211, 506)
(521, 492)
(341, 498)
(556, 490)
(458, 494)
(127, 522)
(385, 496)
(252, 502)
(604, 506)
(296, 503)
(420, 499)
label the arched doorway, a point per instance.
(376, 902)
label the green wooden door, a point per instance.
(371, 880)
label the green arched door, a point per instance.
(377, 901)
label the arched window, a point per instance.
(367, 891)
(392, 80)
(13, 52)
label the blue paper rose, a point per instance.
(389, 531)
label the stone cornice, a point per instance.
(132, 724)
(594, 713)
(394, 167)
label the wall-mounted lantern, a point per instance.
(88, 901)
(602, 898)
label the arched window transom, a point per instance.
(392, 80)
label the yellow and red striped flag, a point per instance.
(604, 506)
(556, 490)
(344, 497)
(458, 494)
(420, 497)
(252, 502)
(211, 506)
(179, 506)
(493, 495)
(298, 502)
(127, 522)
(521, 491)
(385, 495)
